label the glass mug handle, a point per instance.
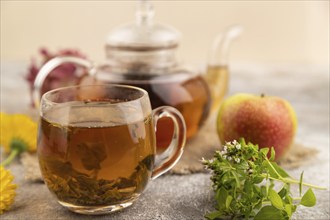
(50, 66)
(167, 159)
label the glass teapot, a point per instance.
(143, 54)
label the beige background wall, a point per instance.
(275, 31)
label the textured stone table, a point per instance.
(190, 196)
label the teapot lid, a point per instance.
(144, 34)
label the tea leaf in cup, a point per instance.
(72, 186)
(91, 154)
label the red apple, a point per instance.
(268, 121)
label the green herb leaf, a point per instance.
(278, 170)
(258, 179)
(221, 197)
(288, 199)
(294, 208)
(228, 201)
(301, 182)
(308, 198)
(264, 150)
(268, 212)
(272, 154)
(236, 178)
(275, 199)
(288, 209)
(264, 191)
(213, 215)
(282, 192)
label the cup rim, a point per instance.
(144, 92)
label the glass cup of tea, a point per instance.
(97, 145)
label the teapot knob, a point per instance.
(144, 12)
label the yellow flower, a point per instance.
(17, 126)
(7, 190)
(18, 133)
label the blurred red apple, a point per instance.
(268, 121)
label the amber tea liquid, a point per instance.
(95, 156)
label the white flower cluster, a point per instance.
(229, 151)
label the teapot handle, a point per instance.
(50, 66)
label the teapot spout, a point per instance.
(219, 52)
(217, 75)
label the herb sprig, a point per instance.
(244, 183)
